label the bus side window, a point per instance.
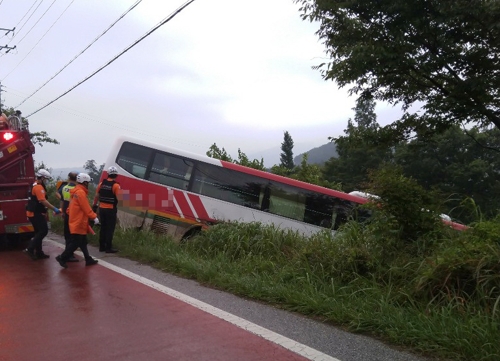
(287, 202)
(171, 171)
(134, 158)
(342, 211)
(138, 171)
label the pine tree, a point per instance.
(286, 156)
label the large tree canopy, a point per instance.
(443, 54)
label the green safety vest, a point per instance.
(65, 191)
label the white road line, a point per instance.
(289, 344)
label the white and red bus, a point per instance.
(180, 193)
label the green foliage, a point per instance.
(359, 151)
(42, 165)
(248, 240)
(42, 137)
(438, 53)
(444, 303)
(217, 153)
(91, 167)
(457, 162)
(407, 207)
(311, 173)
(464, 268)
(286, 156)
(280, 170)
(243, 160)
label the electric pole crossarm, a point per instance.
(8, 30)
(9, 48)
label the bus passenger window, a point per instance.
(171, 171)
(286, 201)
(134, 158)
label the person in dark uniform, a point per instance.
(65, 196)
(106, 195)
(36, 211)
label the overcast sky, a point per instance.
(234, 73)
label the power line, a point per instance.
(22, 26)
(43, 36)
(163, 22)
(88, 46)
(40, 18)
(110, 123)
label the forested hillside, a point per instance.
(318, 155)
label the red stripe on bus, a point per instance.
(183, 204)
(199, 207)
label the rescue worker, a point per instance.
(36, 211)
(64, 196)
(4, 122)
(79, 212)
(107, 195)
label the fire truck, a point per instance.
(17, 173)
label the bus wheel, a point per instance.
(193, 232)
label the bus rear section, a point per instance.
(16, 175)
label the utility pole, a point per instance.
(9, 48)
(0, 98)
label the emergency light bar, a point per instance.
(8, 136)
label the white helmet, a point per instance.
(83, 177)
(42, 173)
(112, 170)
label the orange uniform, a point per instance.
(79, 210)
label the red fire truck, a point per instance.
(17, 173)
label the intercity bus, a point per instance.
(180, 193)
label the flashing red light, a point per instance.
(8, 136)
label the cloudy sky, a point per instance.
(234, 73)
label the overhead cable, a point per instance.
(5, 77)
(115, 125)
(22, 26)
(163, 22)
(35, 24)
(81, 52)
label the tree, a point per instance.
(243, 160)
(359, 151)
(91, 168)
(311, 173)
(286, 156)
(442, 54)
(42, 165)
(36, 137)
(215, 152)
(455, 164)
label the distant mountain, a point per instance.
(318, 155)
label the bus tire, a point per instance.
(192, 232)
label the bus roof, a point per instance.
(241, 168)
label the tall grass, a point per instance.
(403, 276)
(445, 304)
